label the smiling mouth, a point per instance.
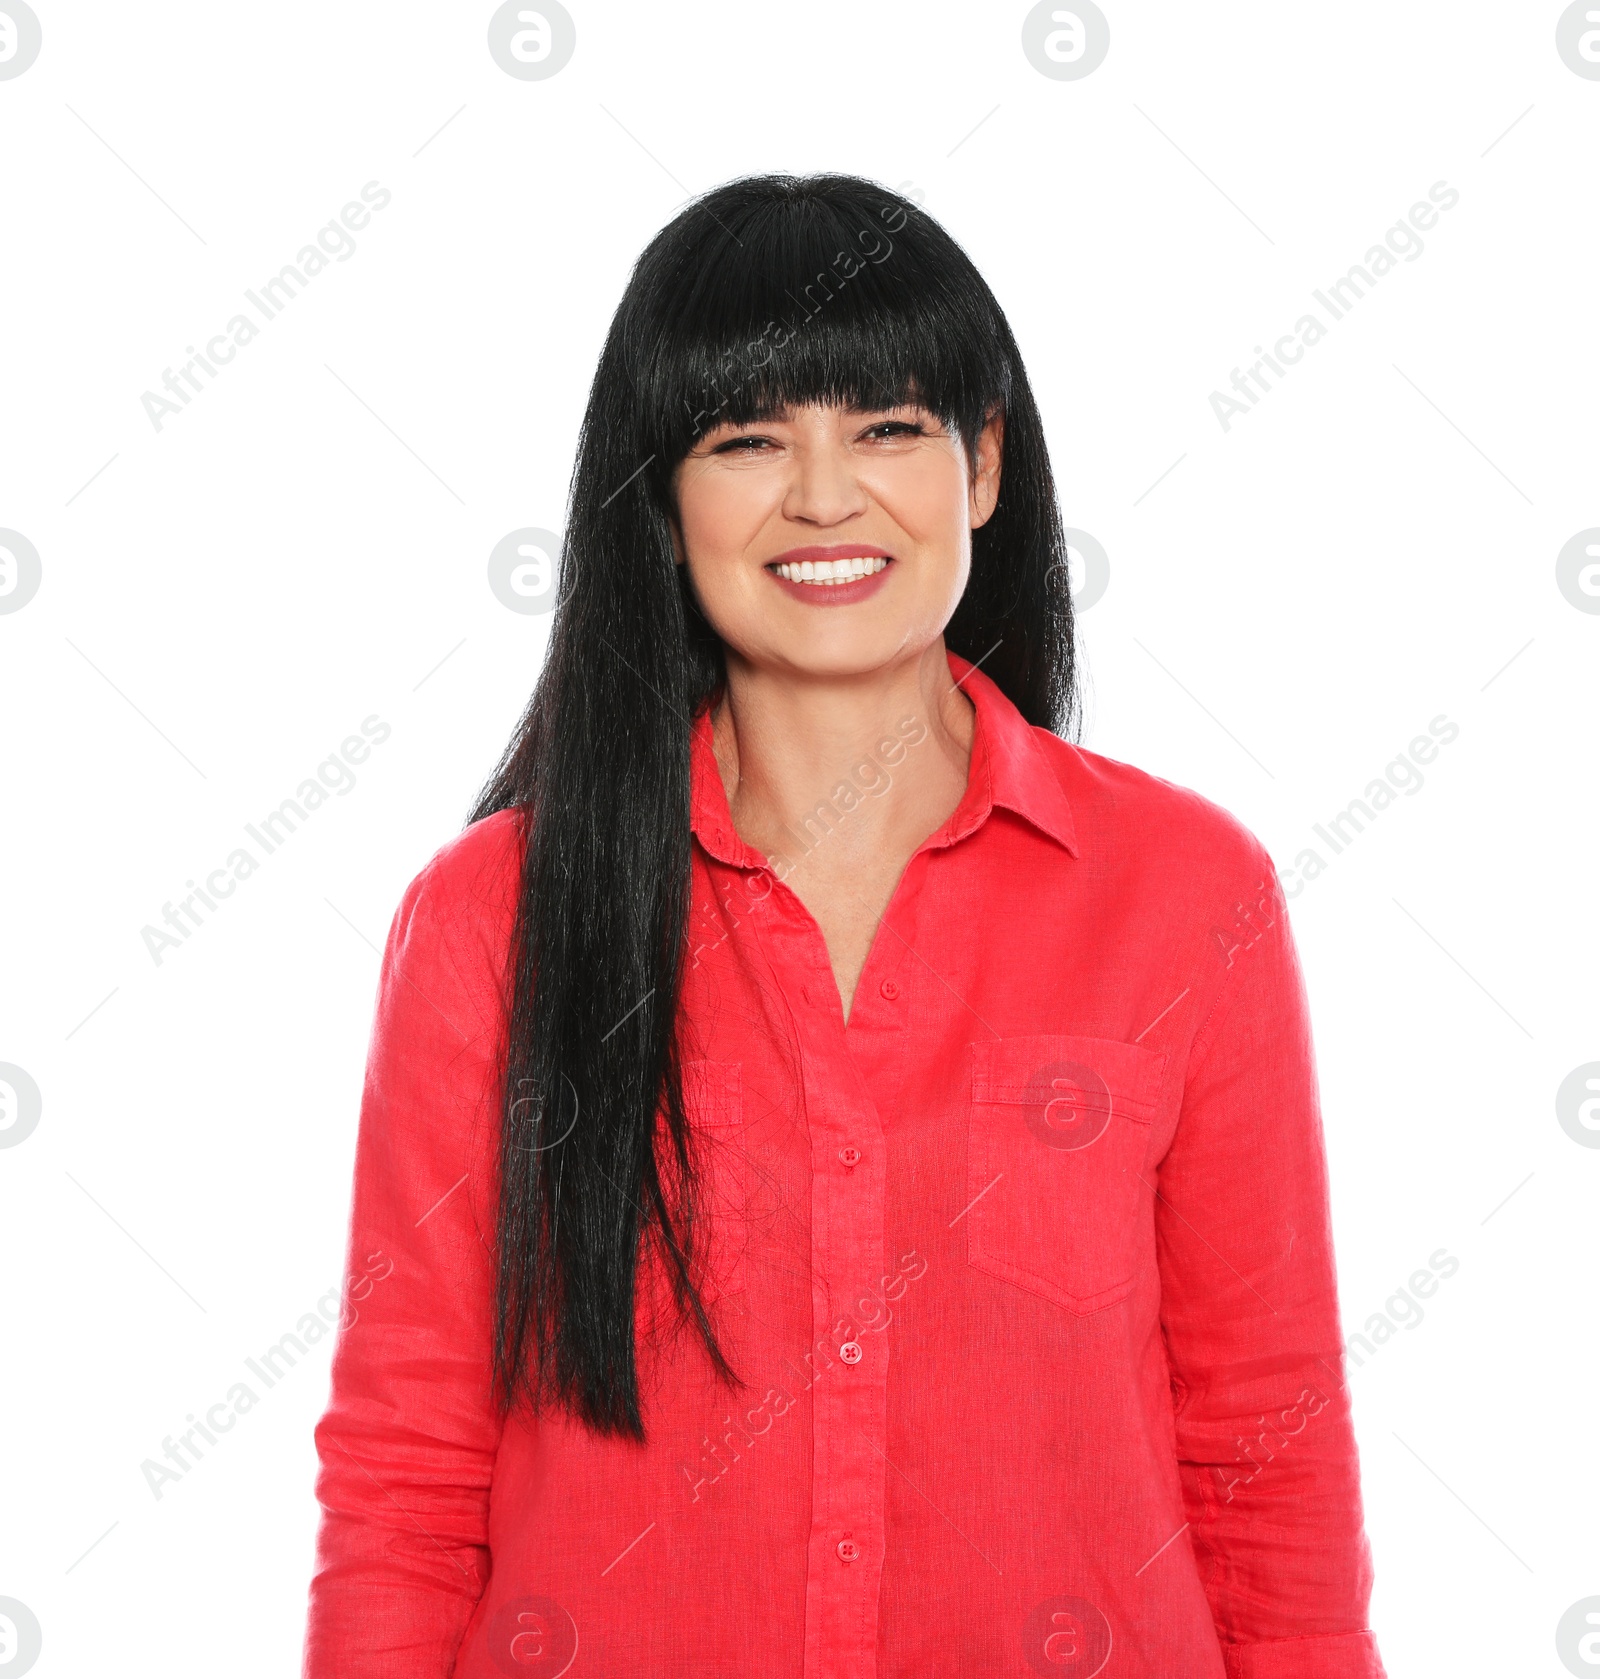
(829, 573)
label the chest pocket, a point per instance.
(714, 1099)
(1057, 1134)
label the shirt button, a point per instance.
(889, 990)
(850, 1352)
(850, 1156)
(849, 1550)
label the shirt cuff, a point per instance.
(1348, 1655)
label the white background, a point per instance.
(305, 545)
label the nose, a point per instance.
(824, 488)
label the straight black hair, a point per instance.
(768, 292)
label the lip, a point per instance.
(837, 594)
(835, 551)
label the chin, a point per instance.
(857, 653)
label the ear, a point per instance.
(986, 468)
(677, 537)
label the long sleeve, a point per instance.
(1266, 1450)
(408, 1441)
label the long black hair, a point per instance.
(770, 291)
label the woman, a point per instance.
(840, 1187)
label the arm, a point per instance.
(408, 1441)
(1266, 1452)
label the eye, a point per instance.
(887, 429)
(742, 445)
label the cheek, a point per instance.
(720, 509)
(927, 499)
(722, 588)
(719, 517)
(926, 495)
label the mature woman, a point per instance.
(840, 1185)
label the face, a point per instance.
(830, 541)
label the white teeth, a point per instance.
(832, 571)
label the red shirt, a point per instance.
(1027, 1267)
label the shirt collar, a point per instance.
(710, 820)
(1009, 767)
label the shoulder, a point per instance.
(479, 864)
(462, 903)
(1128, 816)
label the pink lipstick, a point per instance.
(836, 575)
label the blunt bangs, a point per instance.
(835, 292)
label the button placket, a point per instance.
(849, 1395)
(849, 1400)
(850, 1392)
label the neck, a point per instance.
(861, 762)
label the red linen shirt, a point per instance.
(1027, 1268)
